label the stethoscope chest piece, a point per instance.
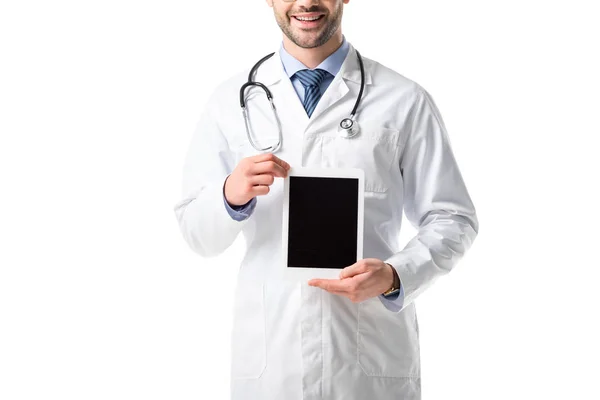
(348, 128)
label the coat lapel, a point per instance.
(350, 71)
(271, 74)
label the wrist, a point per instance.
(230, 203)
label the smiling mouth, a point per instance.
(308, 19)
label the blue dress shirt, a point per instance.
(291, 65)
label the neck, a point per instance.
(313, 56)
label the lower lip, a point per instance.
(308, 24)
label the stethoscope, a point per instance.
(348, 127)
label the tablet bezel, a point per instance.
(304, 274)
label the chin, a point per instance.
(307, 40)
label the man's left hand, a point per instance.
(360, 281)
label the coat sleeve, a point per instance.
(436, 202)
(203, 219)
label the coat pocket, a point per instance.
(248, 344)
(373, 150)
(387, 343)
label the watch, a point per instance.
(395, 286)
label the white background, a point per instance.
(100, 297)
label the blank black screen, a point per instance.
(323, 220)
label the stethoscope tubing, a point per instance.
(347, 124)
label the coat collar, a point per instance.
(271, 71)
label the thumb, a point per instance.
(359, 267)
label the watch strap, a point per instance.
(395, 286)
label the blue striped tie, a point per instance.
(311, 80)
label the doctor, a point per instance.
(356, 337)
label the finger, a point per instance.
(271, 157)
(260, 190)
(268, 167)
(262, 179)
(339, 293)
(337, 287)
(333, 285)
(359, 267)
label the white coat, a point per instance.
(293, 341)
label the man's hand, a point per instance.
(253, 176)
(360, 281)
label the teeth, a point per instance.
(308, 19)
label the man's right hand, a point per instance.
(252, 177)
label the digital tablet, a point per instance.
(322, 221)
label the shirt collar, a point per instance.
(331, 64)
